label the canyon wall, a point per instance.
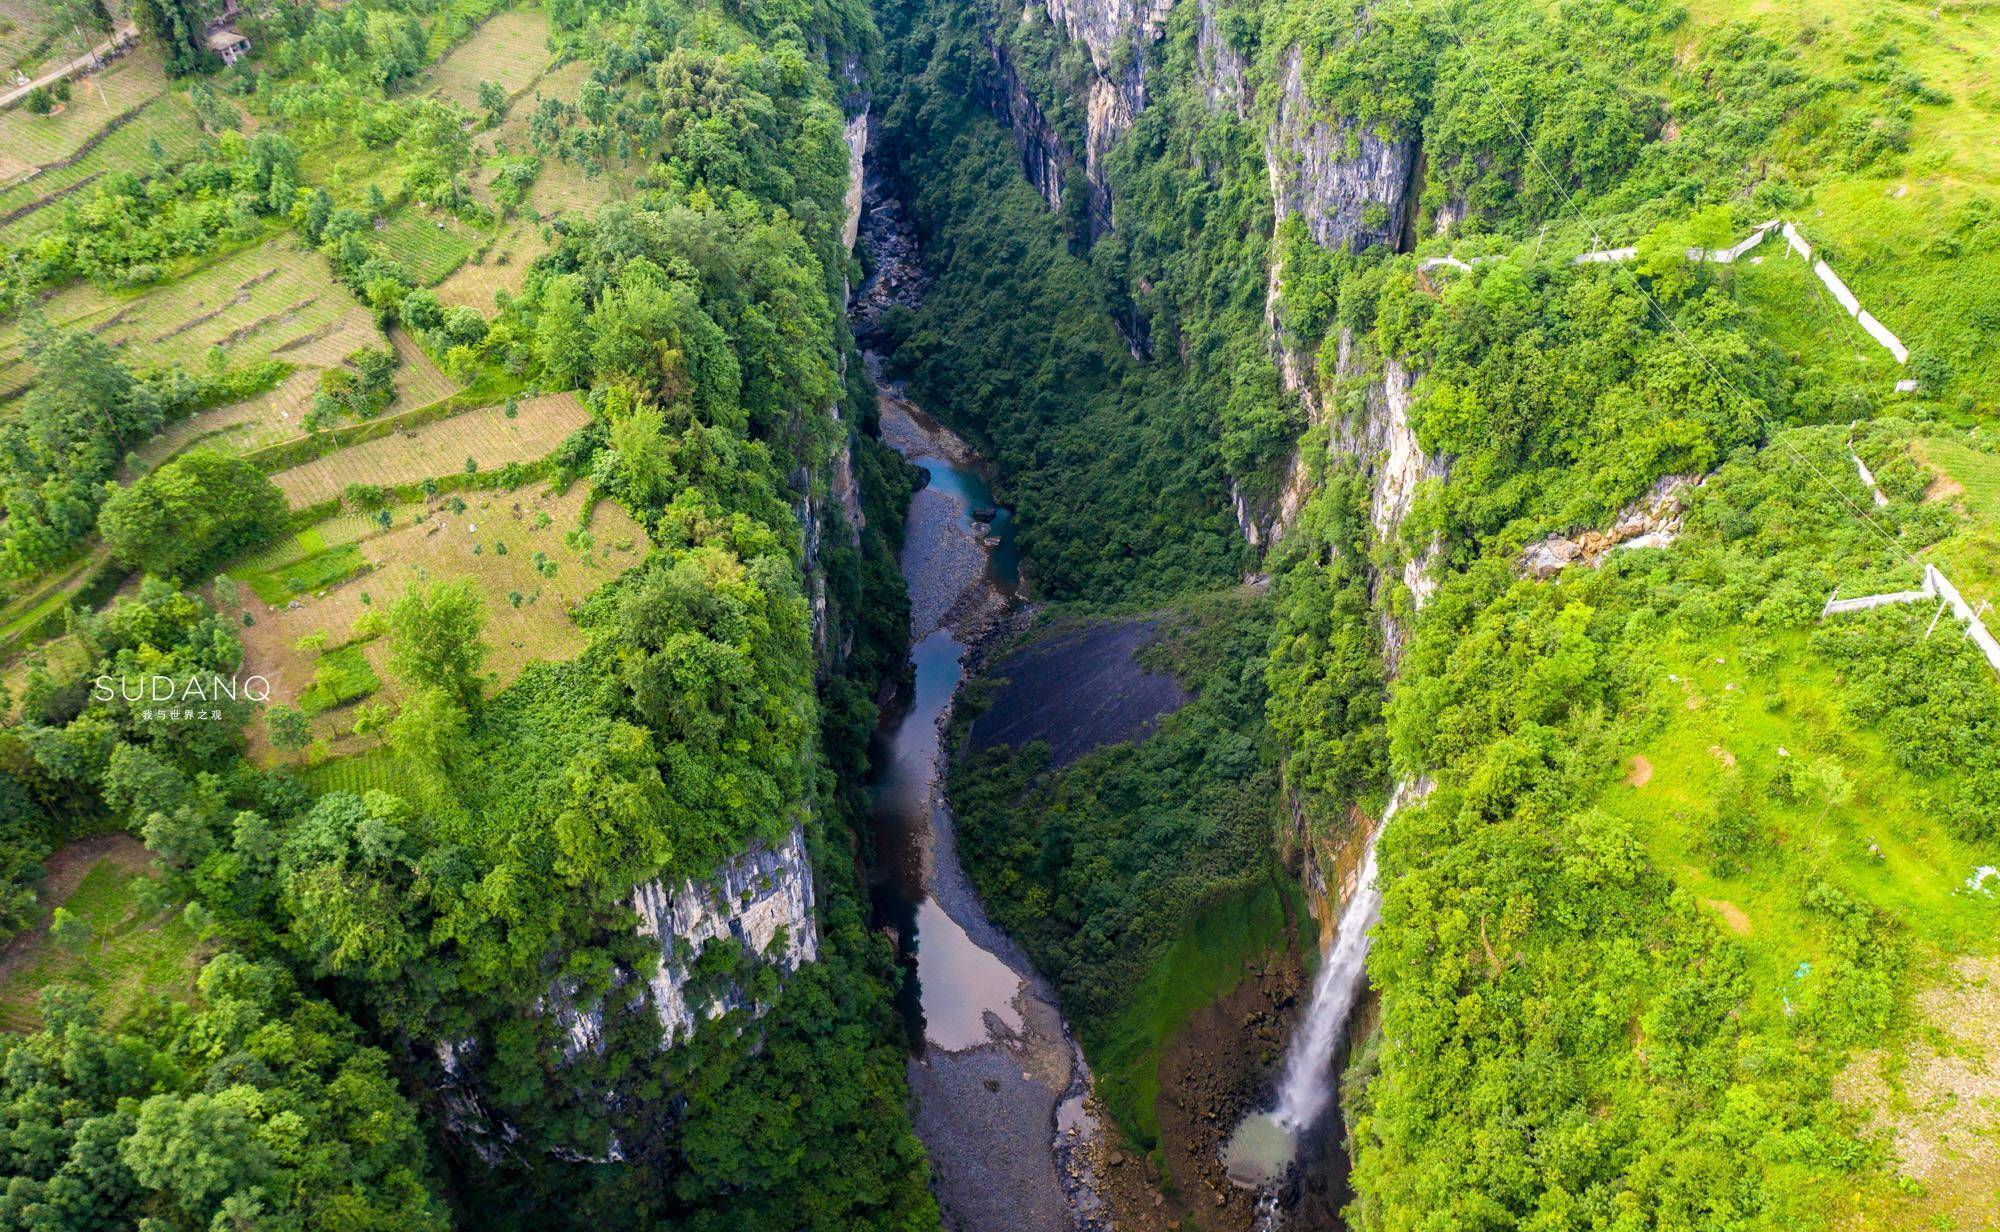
(761, 900)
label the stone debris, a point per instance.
(1652, 521)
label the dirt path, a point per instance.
(83, 63)
(64, 871)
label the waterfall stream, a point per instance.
(1262, 1149)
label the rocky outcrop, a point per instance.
(1220, 66)
(1652, 521)
(857, 149)
(1349, 186)
(1383, 433)
(1044, 158)
(1109, 108)
(1109, 29)
(1116, 34)
(762, 901)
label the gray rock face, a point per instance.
(1116, 33)
(1220, 66)
(761, 900)
(1383, 433)
(1103, 25)
(857, 147)
(1044, 157)
(1351, 187)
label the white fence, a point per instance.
(1794, 242)
(1936, 586)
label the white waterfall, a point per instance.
(1308, 1080)
(1262, 1147)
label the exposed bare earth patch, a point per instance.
(62, 873)
(1641, 772)
(1944, 487)
(1940, 1107)
(1732, 915)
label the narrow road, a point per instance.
(119, 37)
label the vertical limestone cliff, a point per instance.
(1222, 70)
(1044, 157)
(1377, 438)
(1350, 187)
(762, 900)
(1115, 36)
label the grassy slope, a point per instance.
(1219, 948)
(1883, 229)
(129, 954)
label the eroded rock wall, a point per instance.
(762, 900)
(1044, 157)
(1350, 187)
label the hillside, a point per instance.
(420, 537)
(1139, 614)
(1690, 929)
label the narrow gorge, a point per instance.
(959, 616)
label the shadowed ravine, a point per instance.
(997, 1082)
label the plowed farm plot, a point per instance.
(486, 436)
(562, 187)
(418, 380)
(432, 245)
(28, 141)
(510, 50)
(565, 188)
(256, 303)
(31, 34)
(33, 205)
(518, 548)
(504, 268)
(278, 415)
(242, 426)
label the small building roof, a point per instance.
(223, 39)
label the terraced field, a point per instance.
(27, 208)
(242, 426)
(561, 187)
(272, 300)
(504, 268)
(542, 564)
(418, 381)
(279, 415)
(432, 245)
(511, 50)
(486, 435)
(565, 188)
(28, 141)
(28, 31)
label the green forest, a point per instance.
(455, 600)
